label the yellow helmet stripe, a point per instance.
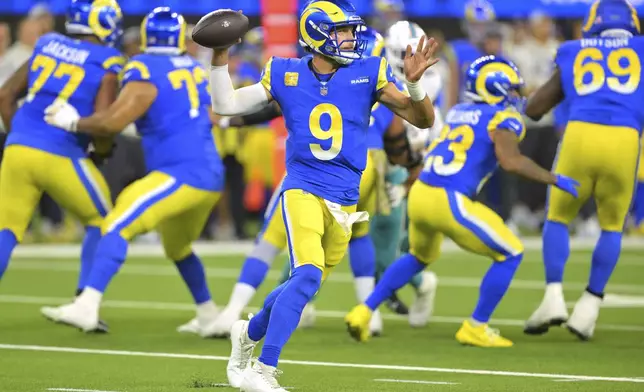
(482, 92)
(333, 11)
(592, 15)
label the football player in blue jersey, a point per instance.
(479, 136)
(272, 240)
(80, 68)
(599, 77)
(479, 19)
(165, 92)
(326, 99)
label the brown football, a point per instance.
(220, 28)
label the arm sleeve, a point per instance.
(227, 101)
(266, 114)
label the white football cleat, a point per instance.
(376, 325)
(74, 314)
(197, 325)
(423, 307)
(240, 354)
(551, 312)
(307, 320)
(261, 378)
(584, 316)
(220, 326)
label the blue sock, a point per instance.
(301, 287)
(8, 242)
(604, 260)
(556, 249)
(253, 272)
(259, 323)
(396, 276)
(493, 287)
(192, 272)
(638, 204)
(362, 257)
(110, 255)
(88, 251)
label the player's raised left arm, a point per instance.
(417, 108)
(546, 97)
(228, 101)
(9, 93)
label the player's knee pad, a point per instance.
(264, 251)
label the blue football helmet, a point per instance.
(319, 22)
(100, 18)
(163, 31)
(479, 17)
(606, 16)
(375, 43)
(495, 81)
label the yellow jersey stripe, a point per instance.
(139, 66)
(501, 116)
(382, 74)
(266, 79)
(112, 61)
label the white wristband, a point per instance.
(416, 91)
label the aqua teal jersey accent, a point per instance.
(381, 118)
(463, 158)
(176, 130)
(67, 61)
(609, 99)
(326, 148)
(465, 53)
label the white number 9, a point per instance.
(335, 131)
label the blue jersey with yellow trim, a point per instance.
(61, 68)
(464, 53)
(381, 118)
(463, 157)
(601, 80)
(327, 123)
(175, 131)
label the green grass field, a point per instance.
(147, 301)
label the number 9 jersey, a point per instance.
(601, 80)
(327, 122)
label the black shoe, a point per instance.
(397, 306)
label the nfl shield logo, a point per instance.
(324, 90)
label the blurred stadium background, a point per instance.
(526, 31)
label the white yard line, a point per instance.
(321, 364)
(76, 390)
(234, 248)
(214, 273)
(415, 381)
(333, 314)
